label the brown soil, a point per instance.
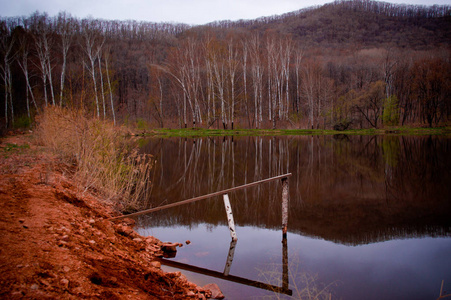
(56, 241)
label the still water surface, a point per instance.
(369, 216)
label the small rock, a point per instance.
(188, 242)
(190, 294)
(124, 230)
(92, 242)
(175, 274)
(215, 291)
(129, 222)
(21, 220)
(66, 269)
(106, 226)
(34, 287)
(46, 248)
(169, 247)
(154, 241)
(151, 239)
(44, 282)
(62, 243)
(78, 290)
(65, 283)
(156, 264)
(151, 248)
(65, 237)
(182, 279)
(192, 286)
(92, 221)
(139, 240)
(17, 294)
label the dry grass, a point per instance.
(104, 159)
(305, 286)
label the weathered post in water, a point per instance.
(285, 195)
(285, 277)
(228, 209)
(229, 261)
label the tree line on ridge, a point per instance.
(266, 73)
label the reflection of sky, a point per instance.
(396, 269)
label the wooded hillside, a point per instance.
(346, 64)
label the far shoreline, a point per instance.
(202, 132)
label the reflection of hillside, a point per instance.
(355, 224)
(352, 191)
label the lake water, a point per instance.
(369, 216)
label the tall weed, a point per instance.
(105, 160)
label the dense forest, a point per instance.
(347, 64)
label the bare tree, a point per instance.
(370, 103)
(66, 29)
(308, 89)
(211, 106)
(286, 51)
(217, 61)
(272, 64)
(232, 63)
(7, 41)
(93, 42)
(245, 48)
(23, 64)
(297, 67)
(107, 58)
(257, 78)
(102, 92)
(41, 35)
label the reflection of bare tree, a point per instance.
(353, 190)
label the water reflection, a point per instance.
(351, 190)
(284, 289)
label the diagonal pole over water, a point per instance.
(202, 197)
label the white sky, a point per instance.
(181, 11)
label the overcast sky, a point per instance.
(181, 11)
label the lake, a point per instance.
(369, 216)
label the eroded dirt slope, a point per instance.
(55, 241)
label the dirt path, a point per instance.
(56, 243)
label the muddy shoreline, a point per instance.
(57, 241)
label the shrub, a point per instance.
(105, 159)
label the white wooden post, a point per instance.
(228, 209)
